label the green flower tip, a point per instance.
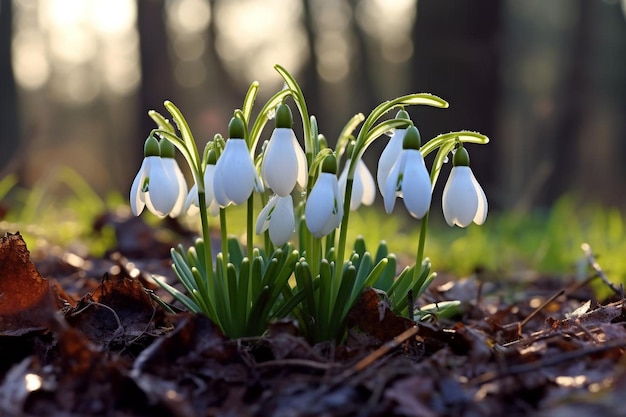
(167, 149)
(211, 157)
(461, 157)
(321, 139)
(330, 164)
(402, 114)
(412, 139)
(236, 128)
(284, 119)
(151, 147)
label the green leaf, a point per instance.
(326, 296)
(342, 303)
(385, 281)
(186, 301)
(248, 101)
(161, 121)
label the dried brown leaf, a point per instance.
(27, 301)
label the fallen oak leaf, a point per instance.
(27, 300)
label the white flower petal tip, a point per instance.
(324, 207)
(463, 200)
(191, 203)
(409, 179)
(235, 175)
(160, 186)
(277, 216)
(363, 186)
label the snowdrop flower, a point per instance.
(159, 184)
(324, 207)
(191, 203)
(279, 218)
(235, 174)
(391, 153)
(363, 187)
(284, 163)
(409, 178)
(463, 200)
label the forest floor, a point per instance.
(82, 336)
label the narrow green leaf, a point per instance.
(341, 304)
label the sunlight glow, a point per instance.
(391, 26)
(334, 42)
(253, 35)
(77, 48)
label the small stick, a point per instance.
(541, 307)
(555, 360)
(384, 349)
(596, 266)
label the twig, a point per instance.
(533, 366)
(384, 349)
(596, 266)
(298, 362)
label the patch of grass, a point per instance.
(59, 210)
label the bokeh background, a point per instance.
(545, 80)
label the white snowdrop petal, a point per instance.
(174, 172)
(235, 174)
(162, 190)
(136, 201)
(367, 181)
(481, 212)
(416, 186)
(391, 191)
(282, 221)
(388, 158)
(191, 200)
(262, 221)
(460, 199)
(279, 168)
(320, 204)
(303, 170)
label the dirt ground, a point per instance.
(81, 336)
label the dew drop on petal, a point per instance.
(390, 132)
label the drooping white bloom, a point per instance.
(388, 157)
(284, 163)
(409, 178)
(235, 174)
(279, 218)
(159, 184)
(363, 187)
(463, 199)
(324, 207)
(191, 203)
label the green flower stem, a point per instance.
(250, 233)
(343, 234)
(419, 257)
(206, 235)
(224, 238)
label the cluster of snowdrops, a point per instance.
(304, 270)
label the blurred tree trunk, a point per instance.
(157, 84)
(8, 97)
(540, 52)
(457, 56)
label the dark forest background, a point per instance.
(545, 80)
